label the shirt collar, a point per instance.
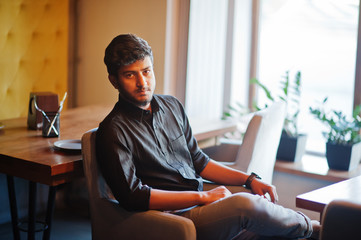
(126, 107)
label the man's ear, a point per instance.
(114, 81)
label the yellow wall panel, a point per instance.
(33, 51)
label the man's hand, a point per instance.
(222, 174)
(215, 194)
(262, 188)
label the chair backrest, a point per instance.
(341, 220)
(95, 181)
(260, 143)
(104, 210)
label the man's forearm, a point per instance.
(174, 200)
(222, 174)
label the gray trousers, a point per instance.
(247, 216)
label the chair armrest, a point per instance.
(161, 225)
(110, 221)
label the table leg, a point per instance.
(49, 212)
(13, 207)
(32, 210)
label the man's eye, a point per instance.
(146, 72)
(129, 75)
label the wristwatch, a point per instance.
(250, 179)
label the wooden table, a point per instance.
(318, 199)
(208, 132)
(26, 154)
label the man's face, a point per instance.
(136, 82)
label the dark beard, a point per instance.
(127, 97)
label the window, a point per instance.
(318, 38)
(206, 58)
(218, 56)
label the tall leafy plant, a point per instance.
(342, 130)
(290, 94)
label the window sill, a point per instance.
(316, 167)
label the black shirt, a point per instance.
(138, 150)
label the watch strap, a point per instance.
(250, 179)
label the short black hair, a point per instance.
(125, 49)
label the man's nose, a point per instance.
(141, 80)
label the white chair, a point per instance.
(341, 220)
(257, 152)
(110, 221)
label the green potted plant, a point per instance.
(240, 114)
(292, 143)
(343, 147)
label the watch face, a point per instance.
(257, 176)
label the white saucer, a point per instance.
(71, 144)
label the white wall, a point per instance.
(99, 21)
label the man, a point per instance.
(150, 159)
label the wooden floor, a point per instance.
(67, 225)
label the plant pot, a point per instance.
(291, 149)
(343, 157)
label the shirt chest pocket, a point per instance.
(180, 150)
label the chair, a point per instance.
(341, 220)
(110, 221)
(257, 152)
